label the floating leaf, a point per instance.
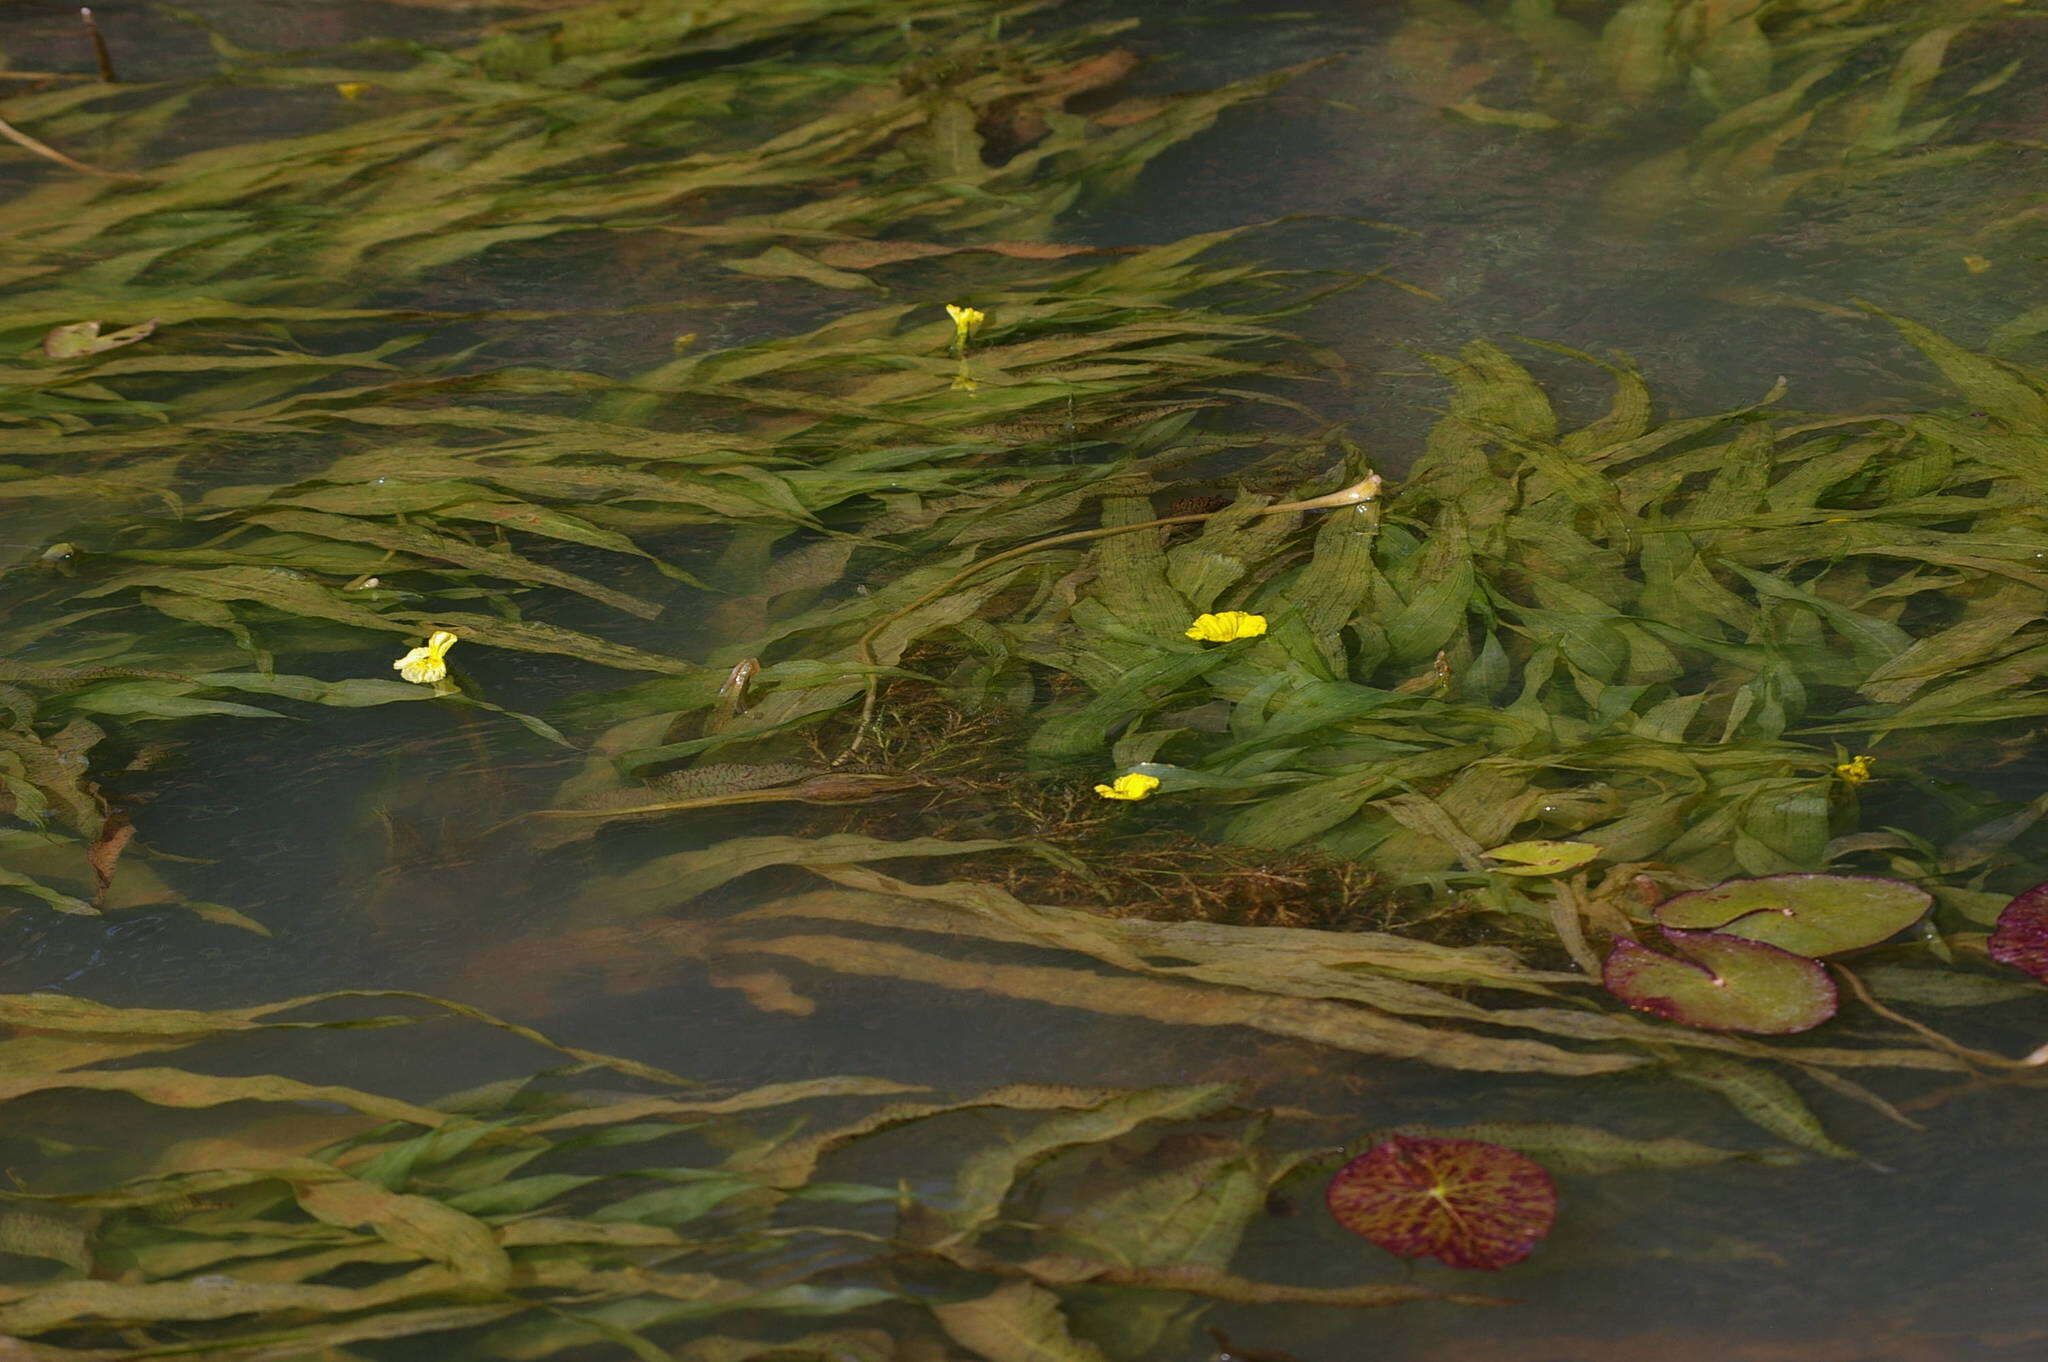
(1810, 915)
(1726, 983)
(1468, 1203)
(2021, 937)
(1542, 858)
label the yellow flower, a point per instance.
(425, 666)
(1856, 770)
(1132, 786)
(352, 89)
(1226, 627)
(966, 321)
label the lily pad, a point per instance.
(2021, 937)
(1541, 858)
(1466, 1202)
(1724, 983)
(1810, 915)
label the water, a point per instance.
(368, 841)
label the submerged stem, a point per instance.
(50, 153)
(101, 57)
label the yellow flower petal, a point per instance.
(421, 667)
(1856, 770)
(427, 664)
(966, 321)
(1226, 627)
(352, 89)
(1132, 786)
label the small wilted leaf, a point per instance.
(2021, 937)
(1468, 1203)
(1725, 983)
(1810, 915)
(105, 853)
(1541, 858)
(83, 338)
(1512, 118)
(1018, 1322)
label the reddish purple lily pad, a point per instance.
(2021, 937)
(1724, 983)
(1469, 1203)
(1810, 915)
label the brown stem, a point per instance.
(1968, 1054)
(99, 47)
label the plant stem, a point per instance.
(99, 47)
(49, 153)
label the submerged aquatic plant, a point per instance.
(528, 1219)
(1641, 639)
(427, 493)
(1772, 100)
(1632, 644)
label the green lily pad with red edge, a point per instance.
(1469, 1203)
(2021, 937)
(1724, 983)
(1810, 915)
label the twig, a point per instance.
(99, 47)
(49, 153)
(1366, 489)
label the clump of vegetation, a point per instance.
(1757, 104)
(1083, 852)
(243, 487)
(1685, 650)
(634, 1208)
(1698, 649)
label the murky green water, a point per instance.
(395, 846)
